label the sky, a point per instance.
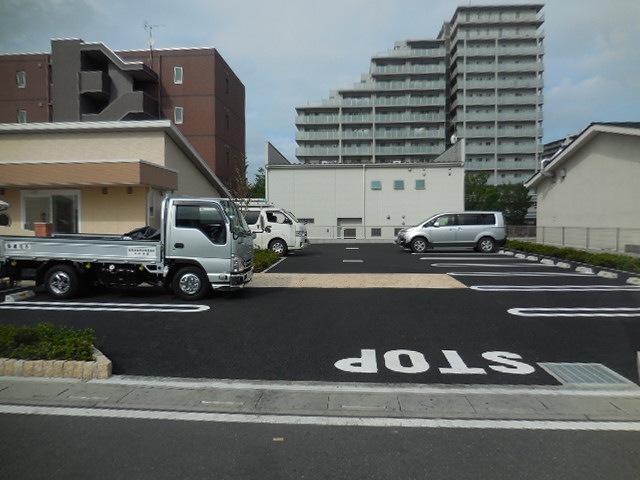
(288, 53)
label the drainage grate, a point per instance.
(584, 374)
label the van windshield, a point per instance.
(292, 216)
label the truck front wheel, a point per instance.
(190, 283)
(62, 281)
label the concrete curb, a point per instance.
(99, 368)
(631, 278)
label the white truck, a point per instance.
(202, 243)
(273, 227)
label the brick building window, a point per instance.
(178, 75)
(21, 79)
(178, 115)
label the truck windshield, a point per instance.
(292, 216)
(238, 224)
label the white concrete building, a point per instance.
(588, 194)
(369, 201)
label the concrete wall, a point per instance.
(328, 193)
(599, 188)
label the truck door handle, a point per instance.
(179, 245)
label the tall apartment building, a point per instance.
(480, 79)
(88, 82)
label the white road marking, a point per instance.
(496, 265)
(324, 420)
(352, 248)
(516, 274)
(575, 312)
(105, 307)
(352, 261)
(555, 288)
(493, 259)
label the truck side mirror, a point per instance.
(267, 229)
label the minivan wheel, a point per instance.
(279, 246)
(486, 245)
(419, 245)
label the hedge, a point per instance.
(46, 342)
(606, 260)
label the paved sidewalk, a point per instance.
(621, 404)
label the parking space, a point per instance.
(379, 314)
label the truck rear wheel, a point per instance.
(62, 281)
(190, 283)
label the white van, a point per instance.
(276, 229)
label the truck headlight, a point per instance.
(237, 263)
(301, 233)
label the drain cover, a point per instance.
(584, 374)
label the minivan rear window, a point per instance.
(476, 219)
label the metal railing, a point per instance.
(621, 240)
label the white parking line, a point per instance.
(515, 274)
(575, 312)
(495, 265)
(555, 288)
(352, 261)
(105, 307)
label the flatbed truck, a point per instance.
(202, 243)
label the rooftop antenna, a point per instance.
(150, 40)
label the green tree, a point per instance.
(512, 199)
(257, 188)
(515, 200)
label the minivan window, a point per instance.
(445, 221)
(476, 219)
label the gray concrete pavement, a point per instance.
(256, 398)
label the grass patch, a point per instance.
(606, 260)
(263, 259)
(46, 342)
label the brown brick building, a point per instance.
(88, 82)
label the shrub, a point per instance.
(606, 260)
(263, 259)
(46, 342)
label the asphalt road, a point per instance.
(513, 315)
(50, 447)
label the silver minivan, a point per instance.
(482, 230)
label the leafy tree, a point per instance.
(512, 199)
(257, 188)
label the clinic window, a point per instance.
(178, 115)
(21, 79)
(398, 184)
(177, 75)
(420, 184)
(376, 185)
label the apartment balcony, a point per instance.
(357, 118)
(411, 133)
(409, 117)
(317, 151)
(412, 53)
(407, 69)
(409, 101)
(317, 119)
(402, 86)
(528, 50)
(131, 105)
(503, 149)
(409, 150)
(500, 100)
(332, 135)
(502, 132)
(95, 84)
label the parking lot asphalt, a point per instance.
(483, 320)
